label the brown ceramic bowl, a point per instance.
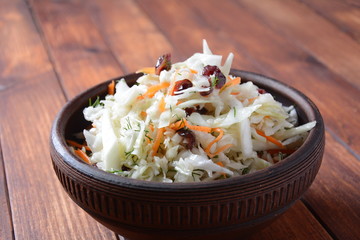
(225, 209)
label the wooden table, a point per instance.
(52, 50)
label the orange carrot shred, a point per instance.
(183, 123)
(111, 88)
(147, 70)
(157, 141)
(223, 148)
(235, 93)
(252, 99)
(143, 114)
(199, 128)
(179, 102)
(235, 81)
(270, 139)
(193, 71)
(154, 89)
(77, 145)
(162, 104)
(178, 125)
(82, 155)
(221, 165)
(221, 134)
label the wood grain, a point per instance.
(313, 34)
(344, 14)
(335, 194)
(31, 96)
(80, 55)
(304, 227)
(133, 47)
(6, 227)
(188, 36)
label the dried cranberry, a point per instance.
(163, 63)
(207, 92)
(220, 79)
(189, 138)
(201, 110)
(209, 70)
(182, 85)
(189, 111)
(261, 91)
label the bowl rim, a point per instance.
(58, 143)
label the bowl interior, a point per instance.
(70, 120)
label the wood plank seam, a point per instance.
(330, 20)
(6, 193)
(297, 43)
(342, 143)
(319, 219)
(46, 47)
(112, 52)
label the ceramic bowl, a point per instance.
(222, 209)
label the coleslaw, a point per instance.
(189, 121)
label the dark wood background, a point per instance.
(52, 50)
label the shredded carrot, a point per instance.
(157, 140)
(235, 93)
(179, 102)
(154, 89)
(178, 125)
(162, 104)
(235, 81)
(111, 88)
(221, 134)
(221, 165)
(270, 139)
(82, 155)
(193, 71)
(252, 99)
(151, 127)
(183, 123)
(143, 114)
(199, 128)
(147, 70)
(77, 145)
(223, 148)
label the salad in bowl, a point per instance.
(187, 122)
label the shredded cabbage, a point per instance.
(200, 132)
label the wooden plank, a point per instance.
(134, 45)
(158, 12)
(305, 226)
(335, 194)
(31, 96)
(6, 227)
(112, 18)
(333, 48)
(81, 56)
(187, 37)
(344, 14)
